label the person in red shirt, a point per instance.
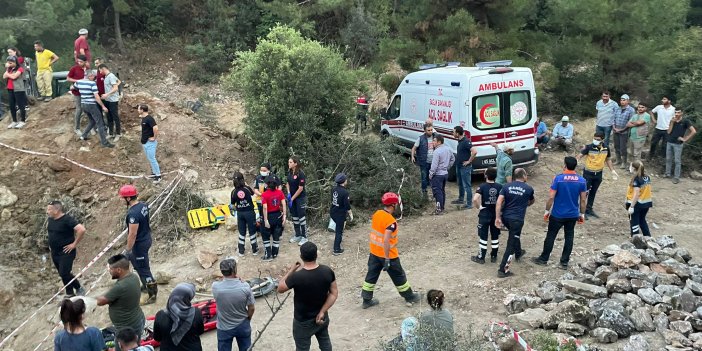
(274, 214)
(81, 47)
(77, 73)
(100, 78)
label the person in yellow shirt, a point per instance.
(384, 255)
(639, 199)
(596, 158)
(45, 59)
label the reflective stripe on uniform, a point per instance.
(495, 244)
(368, 286)
(404, 287)
(378, 238)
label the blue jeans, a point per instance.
(242, 333)
(424, 171)
(607, 132)
(463, 178)
(150, 151)
(438, 189)
(673, 154)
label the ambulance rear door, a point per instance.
(519, 114)
(485, 121)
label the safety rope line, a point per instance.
(89, 265)
(36, 153)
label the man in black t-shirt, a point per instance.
(149, 132)
(485, 199)
(139, 240)
(315, 293)
(64, 235)
(676, 139)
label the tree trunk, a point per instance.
(118, 32)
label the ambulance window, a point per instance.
(487, 112)
(519, 111)
(394, 109)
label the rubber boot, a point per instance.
(368, 300)
(410, 296)
(152, 290)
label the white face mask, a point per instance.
(596, 142)
(264, 174)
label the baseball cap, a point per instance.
(565, 119)
(82, 31)
(625, 97)
(340, 178)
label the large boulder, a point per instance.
(546, 291)
(649, 296)
(598, 306)
(529, 319)
(642, 320)
(617, 321)
(604, 335)
(625, 259)
(569, 312)
(583, 289)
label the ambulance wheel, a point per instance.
(384, 135)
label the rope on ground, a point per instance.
(88, 266)
(36, 153)
(273, 314)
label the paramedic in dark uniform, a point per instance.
(485, 199)
(297, 200)
(241, 202)
(596, 157)
(259, 187)
(139, 239)
(340, 207)
(510, 210)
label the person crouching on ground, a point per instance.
(437, 319)
(639, 199)
(562, 135)
(340, 207)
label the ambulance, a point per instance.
(493, 102)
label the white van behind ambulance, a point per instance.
(492, 102)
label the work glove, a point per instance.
(386, 265)
(631, 210)
(289, 198)
(232, 209)
(547, 215)
(127, 253)
(581, 219)
(615, 176)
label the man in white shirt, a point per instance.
(660, 117)
(562, 135)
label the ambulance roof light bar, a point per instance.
(438, 65)
(493, 64)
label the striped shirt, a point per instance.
(87, 89)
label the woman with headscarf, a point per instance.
(178, 327)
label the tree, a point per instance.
(360, 36)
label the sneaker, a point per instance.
(108, 145)
(78, 132)
(563, 266)
(81, 291)
(477, 259)
(493, 259)
(666, 176)
(47, 99)
(11, 125)
(302, 241)
(624, 165)
(255, 253)
(116, 138)
(457, 202)
(414, 298)
(501, 274)
(467, 207)
(267, 258)
(295, 239)
(84, 138)
(592, 213)
(156, 180)
(518, 257)
(337, 253)
(369, 303)
(438, 212)
(241, 254)
(539, 261)
(676, 180)
(20, 125)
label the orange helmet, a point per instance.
(390, 199)
(128, 191)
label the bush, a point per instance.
(429, 339)
(390, 82)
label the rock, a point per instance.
(559, 297)
(637, 284)
(616, 321)
(604, 335)
(57, 164)
(664, 308)
(618, 285)
(570, 312)
(514, 303)
(598, 306)
(530, 318)
(590, 265)
(7, 198)
(77, 190)
(677, 315)
(603, 272)
(695, 337)
(668, 290)
(190, 175)
(628, 300)
(696, 175)
(549, 306)
(636, 343)
(675, 338)
(639, 242)
(649, 296)
(652, 244)
(696, 323)
(6, 214)
(27, 243)
(699, 311)
(587, 279)
(625, 259)
(661, 322)
(656, 267)
(667, 279)
(642, 320)
(611, 250)
(583, 289)
(686, 301)
(207, 258)
(683, 253)
(648, 257)
(70, 184)
(162, 278)
(666, 241)
(573, 329)
(628, 274)
(677, 268)
(546, 290)
(666, 253)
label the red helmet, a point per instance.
(128, 191)
(390, 199)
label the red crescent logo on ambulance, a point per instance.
(482, 114)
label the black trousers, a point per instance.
(659, 136)
(113, 122)
(247, 220)
(140, 259)
(275, 219)
(298, 214)
(64, 265)
(304, 331)
(396, 273)
(339, 231)
(593, 179)
(637, 221)
(18, 101)
(487, 226)
(554, 226)
(514, 243)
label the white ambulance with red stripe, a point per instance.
(493, 102)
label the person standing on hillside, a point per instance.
(16, 92)
(315, 293)
(274, 214)
(340, 208)
(423, 153)
(485, 200)
(89, 101)
(297, 200)
(639, 199)
(564, 208)
(438, 174)
(64, 235)
(110, 95)
(562, 135)
(76, 73)
(149, 142)
(638, 130)
(607, 112)
(510, 211)
(139, 239)
(621, 132)
(384, 256)
(465, 153)
(661, 116)
(45, 60)
(123, 297)
(596, 157)
(82, 48)
(235, 308)
(679, 132)
(503, 162)
(241, 201)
